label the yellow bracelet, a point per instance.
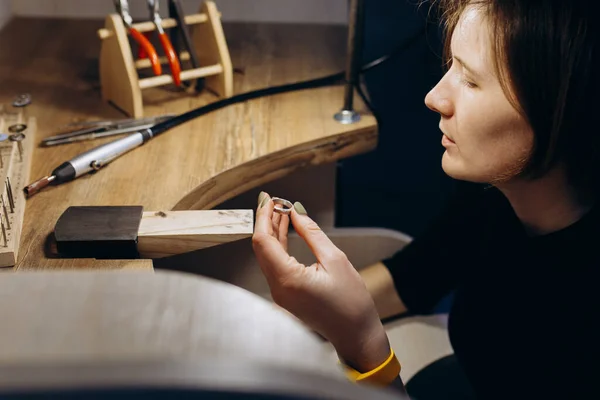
(383, 375)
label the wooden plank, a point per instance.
(163, 234)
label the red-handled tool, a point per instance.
(122, 7)
(148, 50)
(165, 42)
(141, 50)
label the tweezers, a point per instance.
(98, 129)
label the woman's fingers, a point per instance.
(275, 222)
(318, 242)
(264, 215)
(283, 227)
(270, 223)
(271, 253)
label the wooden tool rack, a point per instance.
(15, 164)
(119, 78)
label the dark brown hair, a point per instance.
(547, 60)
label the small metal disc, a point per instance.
(17, 128)
(18, 137)
(3, 137)
(22, 100)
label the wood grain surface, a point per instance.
(197, 165)
(163, 234)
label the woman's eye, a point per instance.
(469, 84)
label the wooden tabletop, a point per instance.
(197, 165)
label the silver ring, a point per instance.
(282, 206)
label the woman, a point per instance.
(517, 111)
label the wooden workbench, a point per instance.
(195, 166)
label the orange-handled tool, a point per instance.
(165, 42)
(122, 7)
(148, 50)
(172, 57)
(141, 50)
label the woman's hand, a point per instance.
(329, 296)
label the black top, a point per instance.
(525, 321)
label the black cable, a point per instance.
(396, 52)
(310, 84)
(377, 62)
(238, 98)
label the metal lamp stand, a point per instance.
(347, 115)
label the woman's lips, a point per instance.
(446, 141)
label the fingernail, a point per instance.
(261, 197)
(264, 201)
(300, 208)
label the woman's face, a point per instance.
(486, 139)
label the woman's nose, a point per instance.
(438, 100)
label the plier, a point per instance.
(122, 7)
(98, 129)
(165, 42)
(176, 11)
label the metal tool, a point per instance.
(122, 7)
(4, 210)
(4, 234)
(91, 160)
(100, 129)
(106, 122)
(172, 57)
(18, 137)
(79, 128)
(176, 11)
(99, 123)
(9, 193)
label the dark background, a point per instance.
(400, 185)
